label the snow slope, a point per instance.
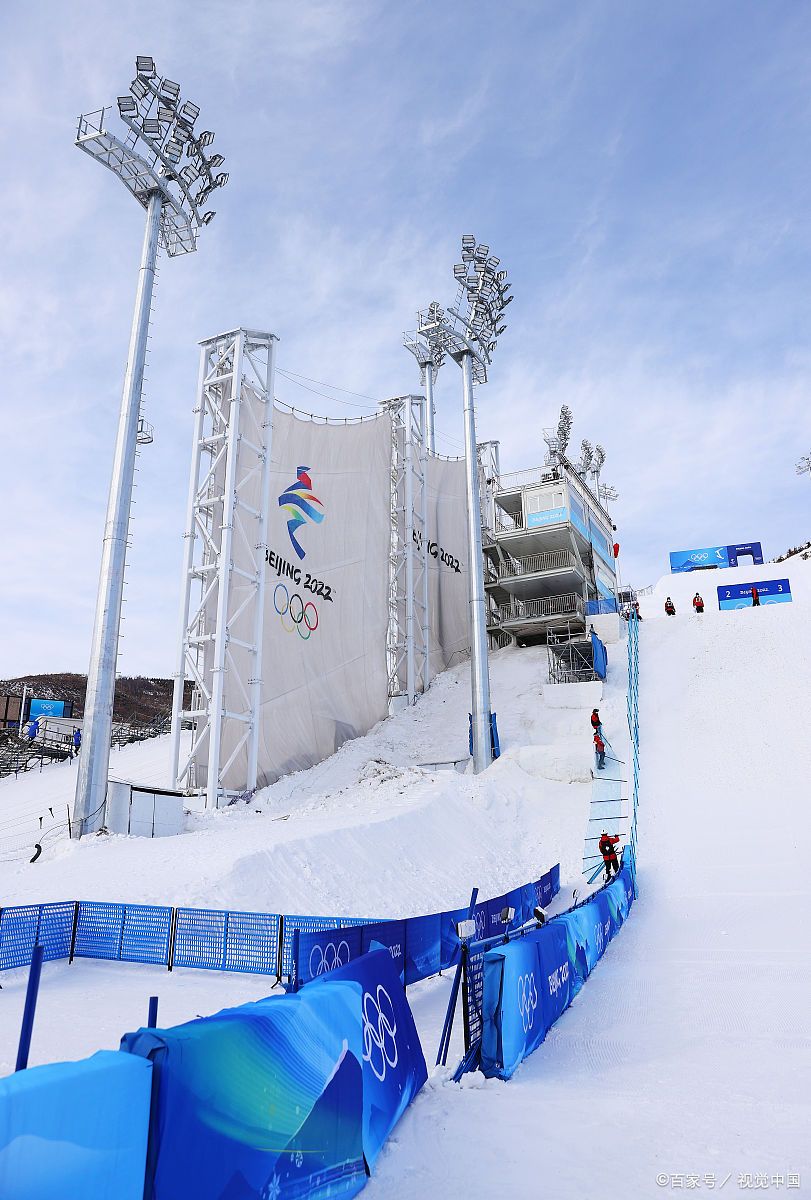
(683, 586)
(687, 1053)
(368, 832)
(689, 1050)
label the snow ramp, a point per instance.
(686, 1061)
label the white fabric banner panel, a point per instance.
(324, 676)
(448, 598)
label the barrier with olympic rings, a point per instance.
(297, 615)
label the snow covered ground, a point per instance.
(367, 833)
(688, 1051)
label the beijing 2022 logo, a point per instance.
(299, 501)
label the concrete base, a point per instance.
(607, 626)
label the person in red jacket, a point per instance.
(607, 845)
(599, 746)
(596, 723)
(755, 598)
(698, 604)
(670, 607)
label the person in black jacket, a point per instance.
(670, 607)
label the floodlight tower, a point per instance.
(597, 465)
(430, 358)
(804, 465)
(145, 156)
(469, 332)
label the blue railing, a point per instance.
(220, 940)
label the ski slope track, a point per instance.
(688, 1051)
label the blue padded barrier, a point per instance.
(423, 947)
(531, 980)
(145, 934)
(391, 935)
(261, 1100)
(99, 929)
(323, 952)
(18, 934)
(76, 1129)
(450, 946)
(304, 925)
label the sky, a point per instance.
(641, 169)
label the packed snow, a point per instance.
(686, 1055)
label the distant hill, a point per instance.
(137, 698)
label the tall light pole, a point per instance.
(469, 332)
(158, 130)
(430, 358)
(804, 465)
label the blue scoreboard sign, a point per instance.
(739, 595)
(714, 556)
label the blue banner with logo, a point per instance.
(695, 560)
(549, 516)
(45, 708)
(393, 1063)
(739, 595)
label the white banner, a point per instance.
(324, 677)
(448, 598)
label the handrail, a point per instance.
(551, 606)
(533, 564)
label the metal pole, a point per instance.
(408, 537)
(91, 783)
(426, 596)
(255, 683)
(152, 1018)
(188, 562)
(224, 576)
(479, 675)
(429, 402)
(31, 992)
(22, 708)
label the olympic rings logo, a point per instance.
(295, 614)
(481, 923)
(699, 557)
(328, 958)
(379, 1032)
(527, 1000)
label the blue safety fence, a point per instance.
(487, 916)
(419, 946)
(226, 941)
(259, 943)
(633, 719)
(531, 980)
(21, 927)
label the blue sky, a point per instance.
(641, 169)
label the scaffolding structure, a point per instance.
(570, 655)
(227, 505)
(408, 640)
